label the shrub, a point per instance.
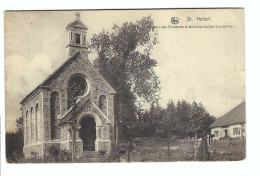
(102, 152)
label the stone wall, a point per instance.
(97, 86)
(37, 149)
(32, 112)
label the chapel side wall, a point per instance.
(46, 117)
(33, 141)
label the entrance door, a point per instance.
(87, 133)
(226, 134)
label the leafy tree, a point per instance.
(124, 59)
(170, 120)
(187, 119)
(14, 142)
(182, 113)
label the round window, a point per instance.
(77, 86)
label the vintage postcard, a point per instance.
(102, 86)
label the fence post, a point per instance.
(196, 146)
(155, 147)
(205, 148)
(215, 145)
(181, 151)
(244, 147)
(168, 147)
(128, 152)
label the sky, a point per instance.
(206, 65)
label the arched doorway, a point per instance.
(87, 133)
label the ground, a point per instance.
(184, 150)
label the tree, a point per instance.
(124, 59)
(182, 115)
(14, 142)
(170, 120)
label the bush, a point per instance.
(102, 152)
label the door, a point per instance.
(226, 134)
(87, 133)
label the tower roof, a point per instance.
(77, 24)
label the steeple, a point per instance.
(76, 31)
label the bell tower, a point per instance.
(76, 32)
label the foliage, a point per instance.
(14, 142)
(102, 152)
(54, 152)
(181, 120)
(124, 59)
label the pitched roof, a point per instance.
(42, 85)
(236, 115)
(77, 24)
(81, 103)
(50, 76)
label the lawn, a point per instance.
(183, 150)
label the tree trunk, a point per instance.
(196, 145)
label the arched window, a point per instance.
(36, 121)
(32, 124)
(77, 86)
(55, 111)
(70, 36)
(103, 104)
(77, 38)
(27, 127)
(84, 38)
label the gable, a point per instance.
(81, 65)
(75, 64)
(82, 107)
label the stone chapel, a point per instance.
(48, 110)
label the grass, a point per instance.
(222, 150)
(228, 150)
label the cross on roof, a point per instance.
(77, 15)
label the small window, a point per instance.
(236, 130)
(102, 103)
(77, 39)
(216, 133)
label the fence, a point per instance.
(167, 151)
(163, 151)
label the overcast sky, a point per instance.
(205, 65)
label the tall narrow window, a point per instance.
(84, 38)
(32, 124)
(103, 104)
(36, 121)
(27, 127)
(55, 111)
(70, 36)
(77, 38)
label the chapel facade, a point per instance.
(75, 92)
